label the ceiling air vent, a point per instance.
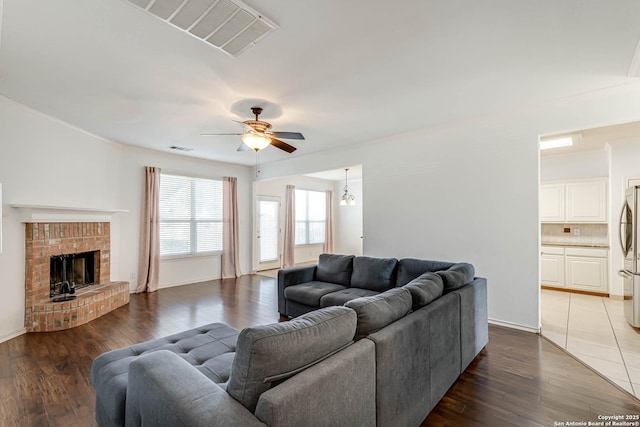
(229, 25)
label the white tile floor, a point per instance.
(594, 330)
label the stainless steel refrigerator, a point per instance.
(629, 243)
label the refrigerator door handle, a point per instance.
(623, 246)
(625, 274)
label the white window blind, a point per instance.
(310, 217)
(190, 215)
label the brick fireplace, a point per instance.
(47, 240)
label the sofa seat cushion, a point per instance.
(374, 274)
(334, 268)
(210, 348)
(340, 297)
(269, 354)
(378, 311)
(424, 289)
(410, 268)
(457, 276)
(310, 293)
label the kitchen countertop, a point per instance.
(578, 245)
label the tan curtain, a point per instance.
(149, 251)
(328, 228)
(230, 249)
(290, 227)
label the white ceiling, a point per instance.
(340, 72)
(355, 173)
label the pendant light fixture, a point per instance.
(347, 198)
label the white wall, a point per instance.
(468, 192)
(347, 226)
(579, 165)
(39, 157)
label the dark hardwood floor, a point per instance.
(520, 379)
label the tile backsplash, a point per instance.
(590, 234)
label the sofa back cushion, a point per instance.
(375, 274)
(268, 354)
(457, 276)
(333, 268)
(376, 312)
(424, 289)
(410, 268)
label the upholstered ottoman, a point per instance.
(210, 348)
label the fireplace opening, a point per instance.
(70, 272)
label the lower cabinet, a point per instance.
(552, 267)
(577, 268)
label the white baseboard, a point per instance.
(13, 334)
(514, 326)
(190, 282)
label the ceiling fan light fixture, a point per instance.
(255, 141)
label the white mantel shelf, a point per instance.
(43, 213)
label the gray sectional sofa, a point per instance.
(384, 359)
(336, 279)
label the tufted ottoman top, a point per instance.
(210, 348)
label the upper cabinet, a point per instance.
(574, 202)
(552, 203)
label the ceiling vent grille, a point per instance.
(229, 25)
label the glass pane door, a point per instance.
(268, 232)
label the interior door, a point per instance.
(268, 233)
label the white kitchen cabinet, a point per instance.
(586, 269)
(552, 267)
(574, 202)
(552, 203)
(578, 268)
(586, 201)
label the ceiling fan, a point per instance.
(258, 136)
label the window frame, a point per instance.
(192, 221)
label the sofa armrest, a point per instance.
(164, 389)
(293, 276)
(474, 319)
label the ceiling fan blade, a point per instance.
(216, 134)
(282, 145)
(243, 147)
(287, 135)
(245, 126)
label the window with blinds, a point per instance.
(190, 216)
(310, 217)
